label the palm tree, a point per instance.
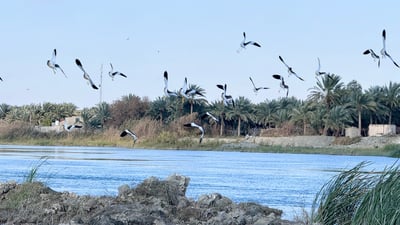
(102, 113)
(380, 113)
(265, 113)
(302, 114)
(242, 111)
(328, 91)
(391, 98)
(337, 118)
(361, 102)
(158, 109)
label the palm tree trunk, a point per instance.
(390, 117)
(359, 122)
(238, 128)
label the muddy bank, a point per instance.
(154, 201)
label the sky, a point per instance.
(194, 39)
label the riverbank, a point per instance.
(376, 146)
(154, 201)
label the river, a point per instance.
(284, 181)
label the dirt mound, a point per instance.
(153, 201)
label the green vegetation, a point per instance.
(359, 197)
(331, 106)
(33, 171)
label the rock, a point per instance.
(154, 201)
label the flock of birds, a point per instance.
(186, 92)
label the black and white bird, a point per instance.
(290, 69)
(373, 55)
(384, 53)
(318, 71)
(130, 133)
(243, 44)
(188, 93)
(85, 75)
(52, 63)
(113, 73)
(282, 84)
(207, 114)
(193, 124)
(227, 99)
(256, 89)
(71, 127)
(167, 92)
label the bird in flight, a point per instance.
(188, 93)
(290, 70)
(318, 71)
(373, 55)
(130, 133)
(52, 63)
(166, 91)
(282, 84)
(207, 114)
(70, 127)
(112, 74)
(256, 89)
(193, 124)
(85, 75)
(384, 53)
(227, 99)
(243, 44)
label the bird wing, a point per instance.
(366, 52)
(166, 79)
(79, 64)
(390, 57)
(253, 43)
(280, 58)
(252, 83)
(384, 38)
(91, 83)
(59, 67)
(53, 56)
(277, 76)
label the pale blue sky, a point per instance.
(193, 39)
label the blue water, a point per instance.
(284, 181)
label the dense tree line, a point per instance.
(330, 107)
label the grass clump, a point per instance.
(32, 174)
(359, 197)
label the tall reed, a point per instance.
(359, 197)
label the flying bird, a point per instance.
(243, 44)
(282, 84)
(166, 91)
(256, 89)
(318, 71)
(70, 127)
(113, 73)
(85, 75)
(227, 99)
(384, 53)
(373, 55)
(290, 69)
(130, 133)
(207, 114)
(188, 93)
(52, 63)
(192, 124)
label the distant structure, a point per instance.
(375, 130)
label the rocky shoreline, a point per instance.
(154, 201)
